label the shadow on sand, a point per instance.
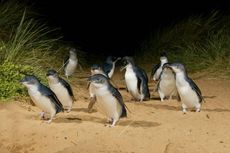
(90, 118)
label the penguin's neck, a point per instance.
(54, 80)
(129, 67)
(73, 57)
(163, 61)
(102, 90)
(180, 78)
(33, 89)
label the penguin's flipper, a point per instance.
(49, 93)
(142, 82)
(68, 87)
(157, 86)
(154, 70)
(195, 88)
(158, 82)
(119, 98)
(145, 89)
(139, 85)
(57, 103)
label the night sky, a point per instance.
(116, 28)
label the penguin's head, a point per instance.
(96, 69)
(166, 67)
(176, 67)
(126, 61)
(163, 59)
(98, 80)
(163, 54)
(73, 52)
(29, 81)
(51, 75)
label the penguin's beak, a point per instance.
(21, 81)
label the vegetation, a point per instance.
(25, 48)
(202, 43)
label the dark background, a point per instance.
(117, 28)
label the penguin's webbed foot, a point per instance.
(109, 125)
(68, 110)
(42, 116)
(184, 111)
(114, 122)
(49, 121)
(198, 110)
(109, 120)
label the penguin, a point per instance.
(156, 70)
(61, 88)
(42, 96)
(166, 86)
(71, 63)
(108, 98)
(95, 69)
(136, 80)
(190, 94)
(109, 65)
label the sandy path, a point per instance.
(153, 126)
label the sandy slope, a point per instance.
(153, 126)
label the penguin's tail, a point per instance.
(60, 109)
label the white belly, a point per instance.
(187, 95)
(70, 67)
(62, 94)
(131, 83)
(108, 104)
(42, 102)
(167, 84)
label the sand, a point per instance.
(151, 127)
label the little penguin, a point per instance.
(42, 96)
(189, 92)
(109, 65)
(166, 86)
(61, 88)
(108, 98)
(156, 70)
(95, 69)
(71, 63)
(136, 80)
